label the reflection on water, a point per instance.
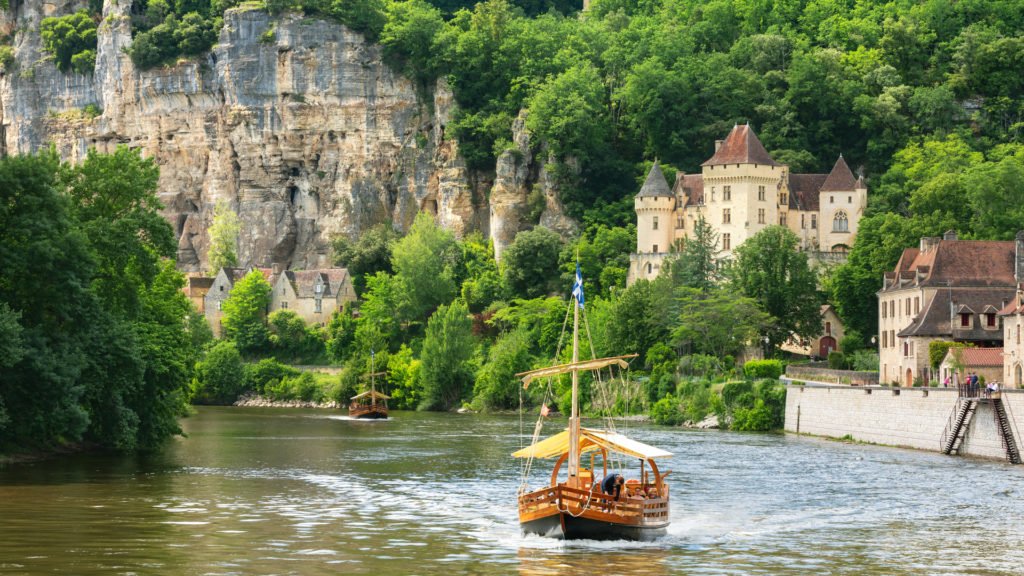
(258, 491)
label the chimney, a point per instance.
(1018, 269)
(718, 144)
(949, 235)
(322, 261)
(928, 243)
(275, 268)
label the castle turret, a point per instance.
(841, 202)
(654, 206)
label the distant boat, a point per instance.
(370, 404)
(577, 507)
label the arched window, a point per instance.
(840, 223)
(648, 267)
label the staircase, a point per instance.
(1005, 431)
(956, 427)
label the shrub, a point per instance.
(667, 411)
(837, 360)
(266, 373)
(6, 58)
(864, 361)
(757, 418)
(771, 369)
(700, 365)
(220, 376)
(733, 390)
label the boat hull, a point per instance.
(566, 527)
(377, 415)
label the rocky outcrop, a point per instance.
(297, 123)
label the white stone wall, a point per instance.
(915, 418)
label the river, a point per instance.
(291, 491)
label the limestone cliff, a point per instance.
(297, 123)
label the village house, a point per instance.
(986, 363)
(946, 289)
(832, 333)
(220, 289)
(196, 288)
(740, 191)
(312, 294)
(1013, 323)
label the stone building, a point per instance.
(832, 333)
(946, 289)
(740, 191)
(196, 288)
(312, 294)
(221, 288)
(1013, 324)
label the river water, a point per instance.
(283, 491)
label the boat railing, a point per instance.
(576, 500)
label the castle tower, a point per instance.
(654, 205)
(741, 188)
(841, 204)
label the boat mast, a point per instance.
(373, 377)
(574, 418)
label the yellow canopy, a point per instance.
(373, 393)
(582, 366)
(590, 440)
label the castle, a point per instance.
(740, 191)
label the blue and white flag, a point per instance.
(577, 287)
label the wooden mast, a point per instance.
(574, 419)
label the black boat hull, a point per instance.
(566, 527)
(371, 416)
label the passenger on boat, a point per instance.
(612, 484)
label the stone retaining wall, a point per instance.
(905, 417)
(819, 374)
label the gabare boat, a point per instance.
(370, 404)
(576, 507)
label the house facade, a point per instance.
(740, 191)
(196, 288)
(312, 294)
(946, 289)
(832, 333)
(221, 288)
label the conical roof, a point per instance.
(741, 146)
(840, 179)
(656, 184)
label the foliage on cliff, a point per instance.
(72, 41)
(91, 309)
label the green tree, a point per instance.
(341, 332)
(223, 238)
(717, 323)
(635, 325)
(530, 263)
(369, 254)
(496, 386)
(771, 270)
(72, 41)
(244, 313)
(425, 260)
(447, 348)
(410, 36)
(697, 265)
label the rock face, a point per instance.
(297, 123)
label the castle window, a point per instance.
(760, 215)
(726, 216)
(284, 304)
(712, 193)
(783, 199)
(726, 242)
(831, 199)
(654, 225)
(885, 339)
(803, 222)
(319, 305)
(655, 249)
(680, 223)
(726, 192)
(1018, 333)
(840, 223)
(760, 193)
(814, 221)
(906, 349)
(849, 199)
(885, 310)
(782, 219)
(648, 267)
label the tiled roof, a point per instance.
(804, 189)
(741, 146)
(980, 357)
(655, 185)
(960, 263)
(936, 319)
(198, 285)
(840, 179)
(693, 186)
(304, 282)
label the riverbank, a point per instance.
(257, 401)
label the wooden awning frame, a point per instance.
(585, 365)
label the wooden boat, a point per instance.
(576, 507)
(370, 404)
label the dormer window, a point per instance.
(990, 319)
(320, 288)
(965, 320)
